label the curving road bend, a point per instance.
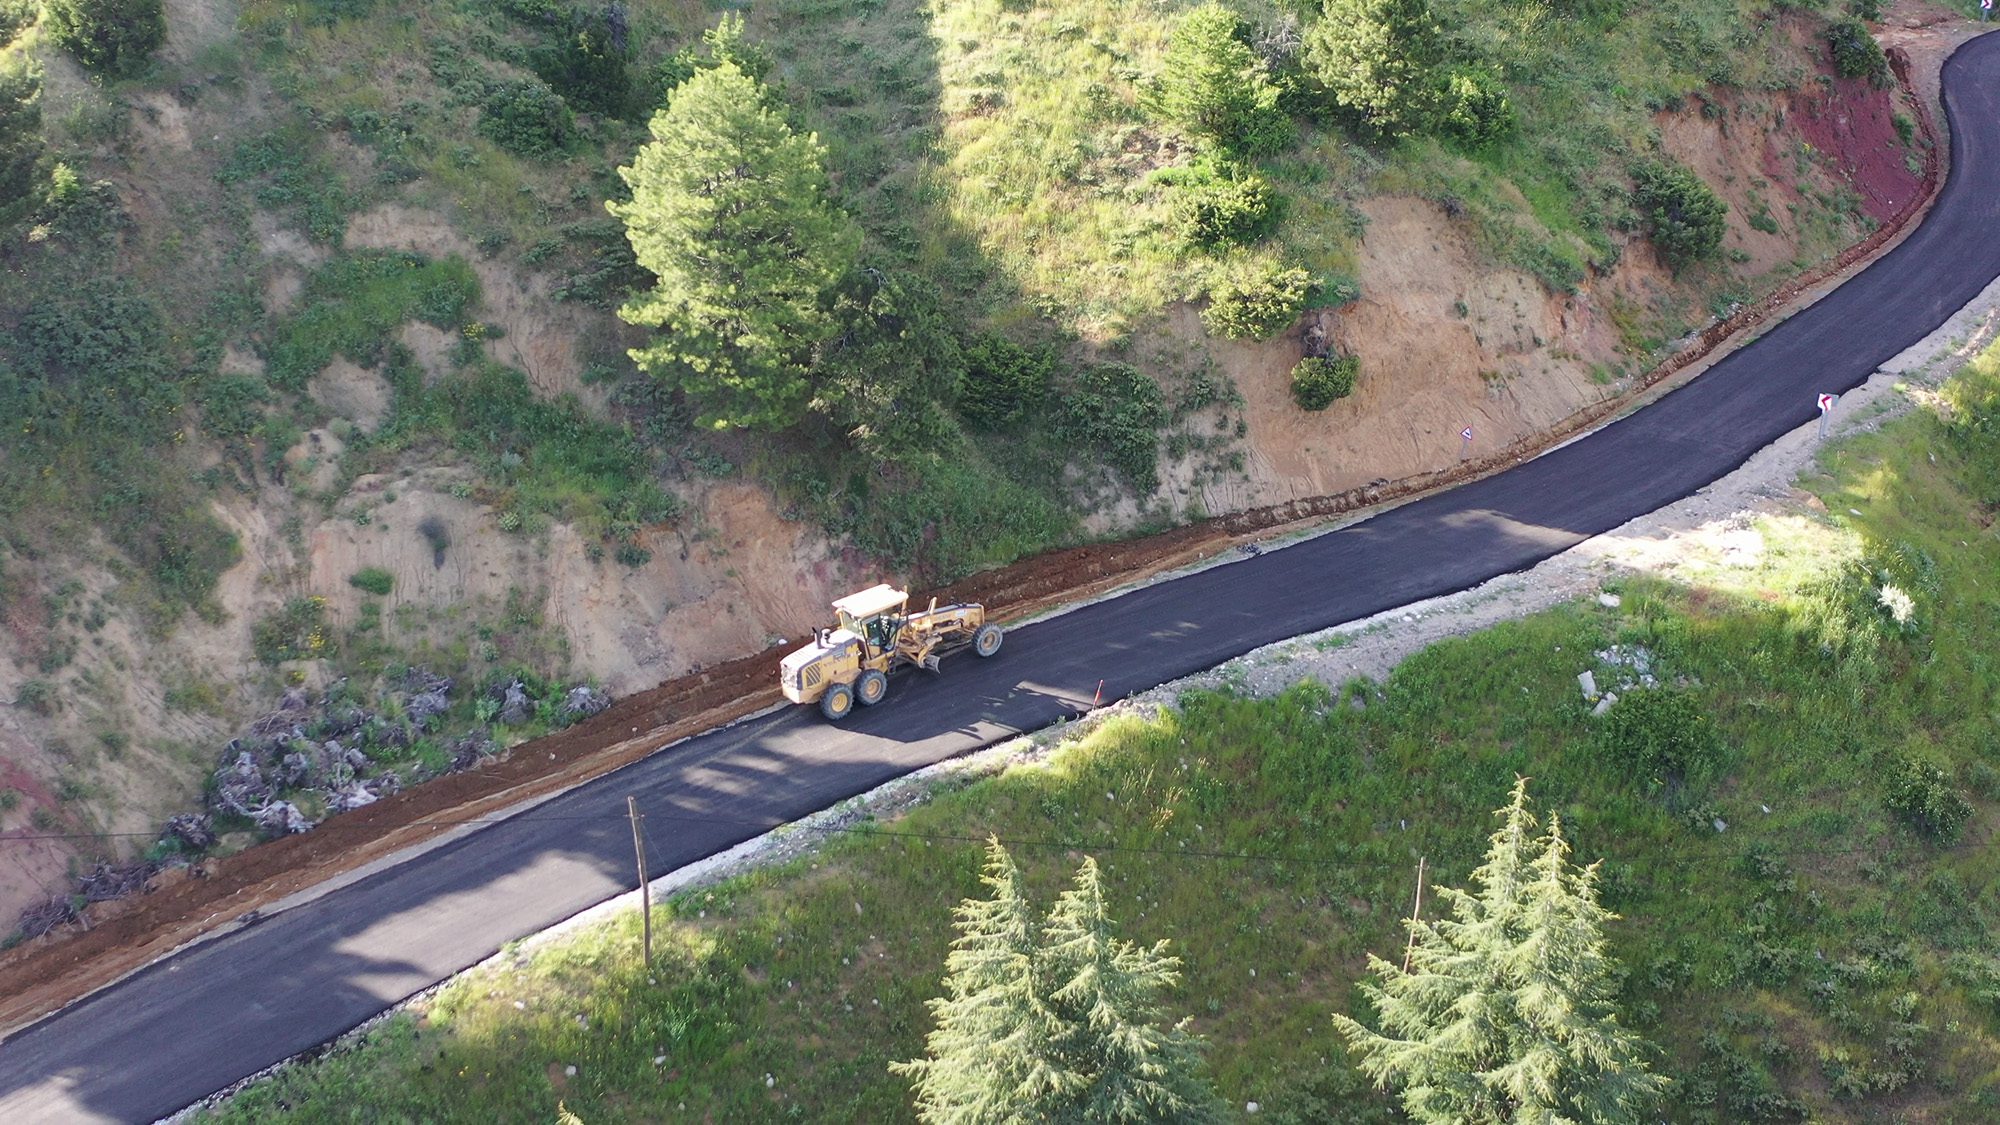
(202, 1019)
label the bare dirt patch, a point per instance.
(540, 335)
(360, 395)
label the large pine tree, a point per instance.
(1106, 996)
(1215, 89)
(731, 210)
(1378, 59)
(988, 1056)
(1506, 1011)
(1054, 1022)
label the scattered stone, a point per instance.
(195, 832)
(769, 1082)
(295, 770)
(425, 706)
(514, 707)
(1251, 1107)
(1603, 705)
(569, 1071)
(352, 796)
(1609, 601)
(584, 701)
(281, 818)
(1721, 825)
(1587, 680)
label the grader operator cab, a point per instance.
(850, 662)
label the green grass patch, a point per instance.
(352, 305)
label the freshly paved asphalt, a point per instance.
(225, 1009)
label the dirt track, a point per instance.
(48, 973)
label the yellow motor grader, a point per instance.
(850, 662)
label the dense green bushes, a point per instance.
(1856, 54)
(372, 580)
(1664, 735)
(1116, 408)
(109, 35)
(95, 363)
(1214, 205)
(1318, 380)
(1922, 794)
(353, 304)
(586, 64)
(527, 118)
(1683, 216)
(20, 136)
(15, 16)
(1258, 304)
(1473, 107)
(1005, 384)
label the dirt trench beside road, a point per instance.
(116, 938)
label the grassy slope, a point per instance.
(999, 149)
(1042, 153)
(1817, 955)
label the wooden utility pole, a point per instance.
(1415, 912)
(645, 888)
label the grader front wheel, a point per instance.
(986, 641)
(837, 702)
(871, 688)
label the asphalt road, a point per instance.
(227, 1008)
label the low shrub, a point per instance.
(527, 118)
(1663, 734)
(1856, 54)
(38, 696)
(15, 16)
(1683, 217)
(1117, 411)
(1256, 306)
(1473, 107)
(587, 65)
(297, 631)
(1213, 206)
(115, 36)
(1004, 383)
(21, 145)
(1921, 793)
(1317, 381)
(373, 580)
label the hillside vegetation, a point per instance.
(1795, 825)
(293, 291)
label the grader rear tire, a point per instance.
(837, 703)
(986, 641)
(871, 688)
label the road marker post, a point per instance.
(1415, 913)
(1097, 699)
(645, 888)
(1464, 443)
(1826, 405)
